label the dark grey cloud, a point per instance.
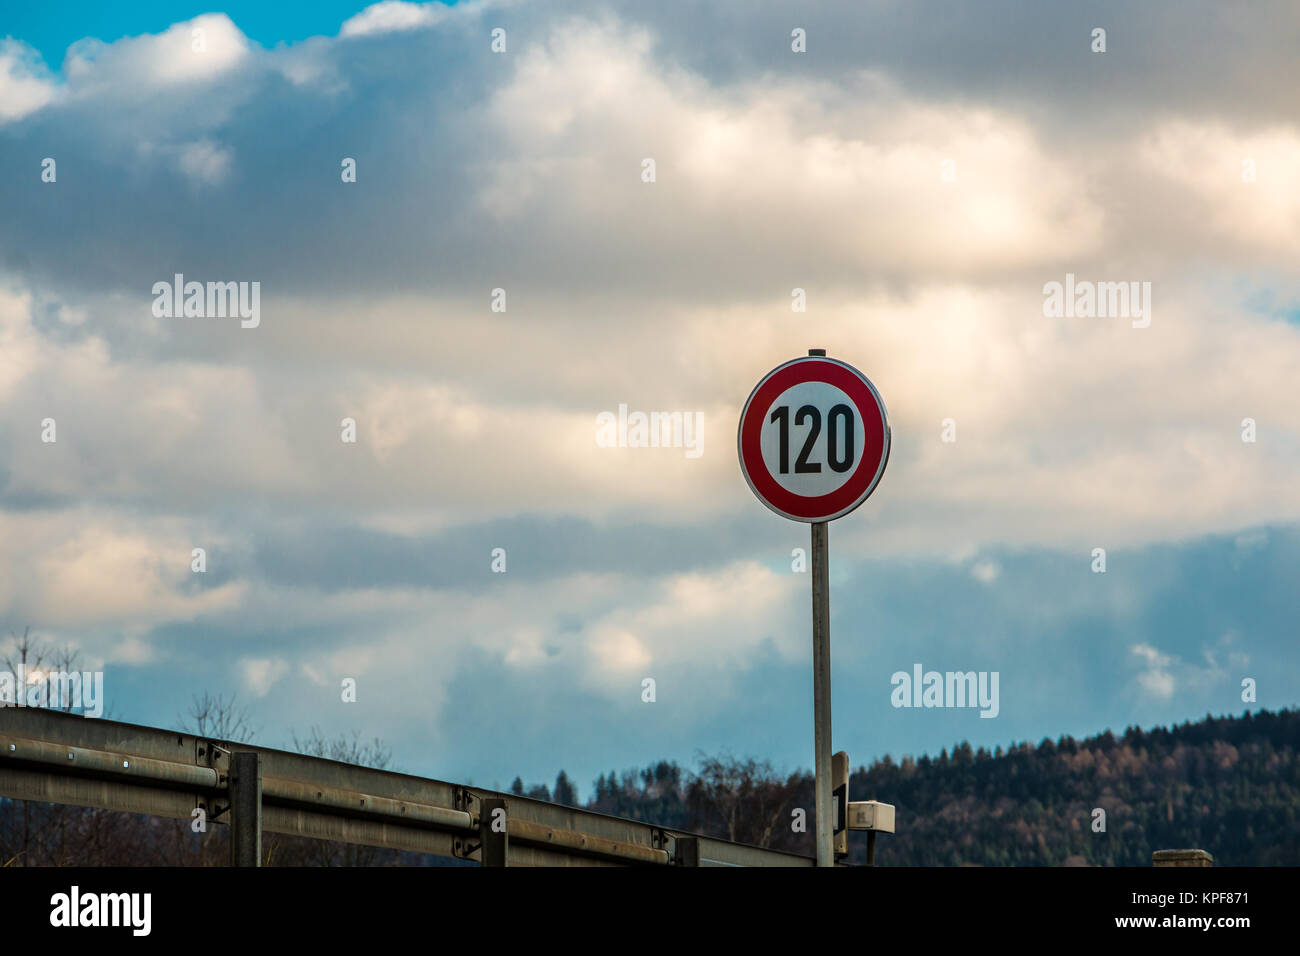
(538, 548)
(1197, 58)
(415, 109)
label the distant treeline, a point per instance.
(1229, 785)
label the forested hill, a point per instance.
(1230, 785)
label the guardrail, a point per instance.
(53, 757)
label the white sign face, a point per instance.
(812, 439)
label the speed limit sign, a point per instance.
(813, 443)
(813, 439)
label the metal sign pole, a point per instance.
(821, 602)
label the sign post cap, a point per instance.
(821, 352)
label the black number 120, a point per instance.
(839, 418)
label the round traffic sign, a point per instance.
(813, 439)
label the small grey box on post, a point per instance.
(494, 833)
(245, 809)
(1181, 858)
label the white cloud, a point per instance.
(68, 571)
(393, 15)
(1209, 162)
(205, 161)
(852, 172)
(618, 653)
(1164, 674)
(202, 49)
(260, 674)
(1156, 679)
(25, 85)
(20, 344)
(406, 646)
(696, 624)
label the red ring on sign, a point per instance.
(875, 450)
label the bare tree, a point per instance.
(27, 656)
(219, 718)
(747, 798)
(349, 749)
(18, 667)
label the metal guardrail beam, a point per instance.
(578, 842)
(305, 795)
(165, 773)
(81, 761)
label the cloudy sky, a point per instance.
(921, 171)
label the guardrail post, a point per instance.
(687, 851)
(493, 832)
(1181, 858)
(245, 809)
